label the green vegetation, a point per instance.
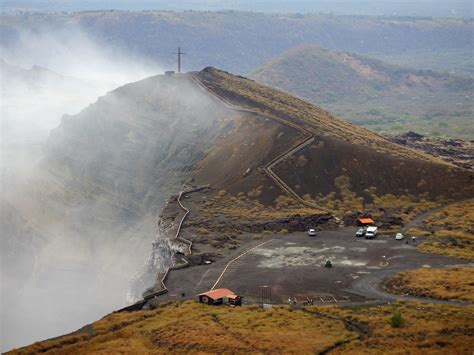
(242, 41)
(396, 321)
(382, 97)
(456, 61)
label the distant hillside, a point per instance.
(425, 8)
(241, 41)
(34, 99)
(35, 77)
(379, 96)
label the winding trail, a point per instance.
(163, 289)
(360, 329)
(268, 168)
(418, 220)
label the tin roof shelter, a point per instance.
(366, 221)
(220, 296)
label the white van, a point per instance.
(371, 232)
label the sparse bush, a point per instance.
(255, 192)
(202, 230)
(396, 321)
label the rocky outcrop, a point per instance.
(455, 151)
(296, 223)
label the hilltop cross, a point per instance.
(179, 53)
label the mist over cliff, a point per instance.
(51, 259)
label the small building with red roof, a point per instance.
(220, 296)
(365, 221)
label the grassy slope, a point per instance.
(340, 161)
(380, 96)
(448, 283)
(248, 93)
(427, 329)
(451, 231)
(190, 327)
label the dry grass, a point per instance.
(190, 327)
(428, 329)
(455, 217)
(446, 283)
(278, 104)
(404, 206)
(243, 207)
(451, 231)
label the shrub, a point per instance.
(396, 321)
(202, 230)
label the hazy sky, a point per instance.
(434, 8)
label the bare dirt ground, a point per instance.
(293, 267)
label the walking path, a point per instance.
(307, 140)
(183, 262)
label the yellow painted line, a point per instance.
(235, 259)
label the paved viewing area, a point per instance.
(293, 266)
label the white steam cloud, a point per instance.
(45, 75)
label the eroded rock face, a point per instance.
(455, 151)
(295, 223)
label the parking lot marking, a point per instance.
(235, 259)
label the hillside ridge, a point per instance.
(369, 92)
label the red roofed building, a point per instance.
(365, 221)
(220, 296)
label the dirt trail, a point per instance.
(360, 329)
(308, 139)
(418, 220)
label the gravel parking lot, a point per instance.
(292, 266)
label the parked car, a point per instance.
(312, 232)
(360, 232)
(371, 232)
(399, 236)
